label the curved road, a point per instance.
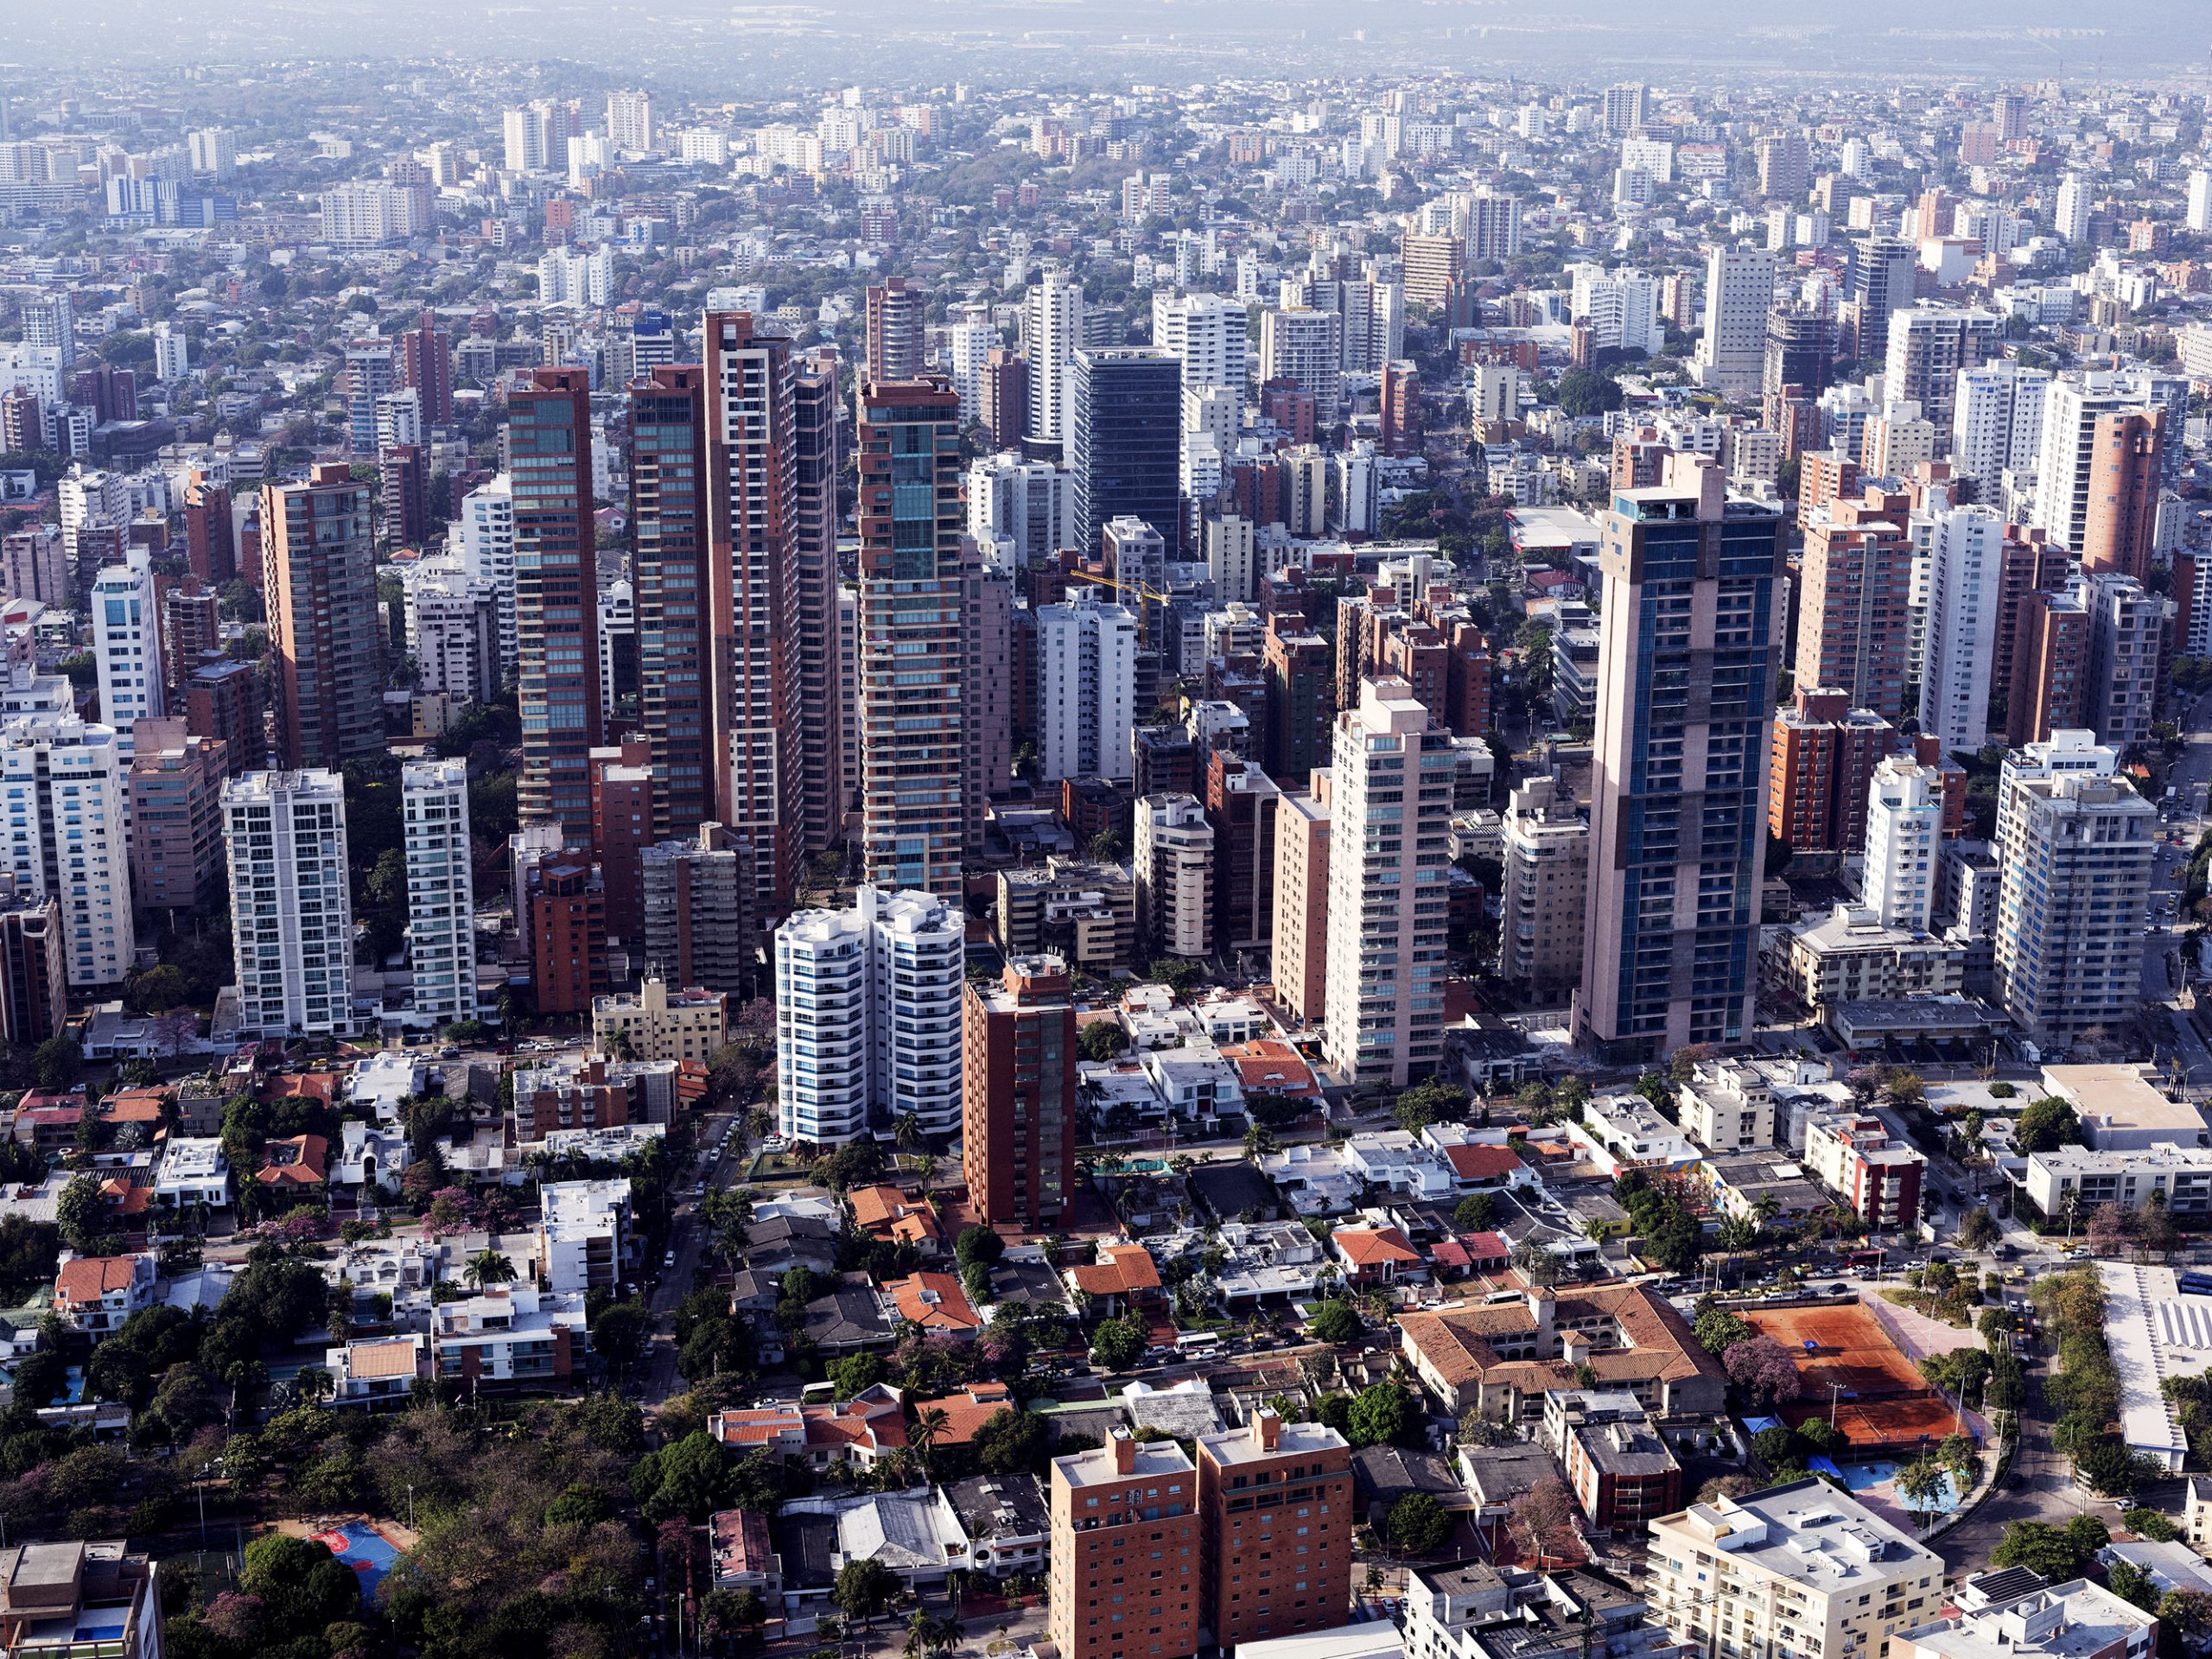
(2037, 1488)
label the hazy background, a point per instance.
(756, 46)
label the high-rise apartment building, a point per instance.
(486, 533)
(2126, 638)
(34, 982)
(2076, 847)
(1905, 829)
(914, 594)
(1175, 876)
(898, 330)
(2126, 459)
(694, 926)
(425, 366)
(1882, 283)
(1241, 804)
(1544, 889)
(630, 121)
(1854, 610)
(1785, 165)
(2069, 213)
(753, 603)
(2067, 471)
(1206, 332)
(1051, 332)
(441, 889)
(1304, 347)
(1086, 688)
(827, 766)
(1391, 781)
(1997, 420)
(1112, 1507)
(325, 627)
(127, 645)
(1275, 1515)
(1738, 295)
(1928, 349)
(1301, 701)
(1493, 227)
(668, 521)
(868, 1017)
(1800, 347)
(1823, 752)
(1020, 512)
(1692, 589)
(1625, 108)
(556, 596)
(291, 903)
(176, 819)
(1301, 924)
(2050, 664)
(1124, 446)
(65, 836)
(1019, 1100)
(1965, 549)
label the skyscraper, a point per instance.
(1304, 347)
(1019, 1100)
(1855, 614)
(1904, 826)
(1693, 636)
(64, 836)
(1882, 283)
(127, 645)
(486, 536)
(2075, 847)
(1086, 688)
(1928, 347)
(1738, 295)
(753, 584)
(668, 522)
(2067, 467)
(556, 597)
(441, 889)
(426, 365)
(1124, 449)
(1388, 896)
(291, 903)
(825, 767)
(2069, 214)
(897, 325)
(324, 625)
(1052, 331)
(2127, 456)
(912, 659)
(1206, 332)
(868, 1017)
(1997, 419)
(1965, 548)
(1301, 923)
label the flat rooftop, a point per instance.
(1096, 1468)
(1237, 1446)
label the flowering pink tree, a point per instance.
(1763, 1370)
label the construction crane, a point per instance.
(1143, 591)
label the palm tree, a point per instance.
(908, 1132)
(488, 1267)
(925, 1168)
(931, 1425)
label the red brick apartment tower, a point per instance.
(1125, 1548)
(1275, 1509)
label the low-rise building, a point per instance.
(581, 1242)
(2121, 1109)
(1856, 1158)
(1620, 1469)
(1801, 1568)
(741, 1556)
(94, 1294)
(1626, 1132)
(1008, 1521)
(659, 1024)
(1850, 956)
(377, 1370)
(193, 1172)
(2077, 1180)
(94, 1599)
(1725, 1106)
(2073, 1620)
(1399, 1162)
(516, 1337)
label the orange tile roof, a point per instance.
(91, 1277)
(309, 1085)
(1659, 1344)
(968, 1411)
(1481, 1163)
(1365, 1246)
(876, 1206)
(134, 1106)
(1271, 1066)
(308, 1167)
(126, 1198)
(935, 1302)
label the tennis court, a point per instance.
(367, 1551)
(1840, 1348)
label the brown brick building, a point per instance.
(1275, 1519)
(1019, 1093)
(1125, 1546)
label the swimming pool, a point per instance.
(1861, 1476)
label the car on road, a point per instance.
(669, 1261)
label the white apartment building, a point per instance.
(1738, 295)
(1621, 308)
(1025, 510)
(127, 645)
(1904, 828)
(630, 120)
(291, 903)
(1052, 334)
(1545, 887)
(1801, 1569)
(2057, 1621)
(2075, 845)
(566, 277)
(2126, 638)
(1997, 420)
(486, 533)
(441, 890)
(1086, 688)
(2064, 456)
(1304, 345)
(456, 637)
(66, 837)
(2080, 1178)
(1389, 832)
(1726, 1106)
(2069, 217)
(1964, 548)
(172, 353)
(1175, 876)
(1208, 332)
(868, 1017)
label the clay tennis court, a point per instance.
(1880, 1400)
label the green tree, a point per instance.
(1101, 1040)
(1117, 1345)
(854, 1373)
(1417, 1524)
(82, 1212)
(1011, 1442)
(863, 1589)
(2047, 1124)
(1336, 1322)
(301, 1585)
(2039, 1546)
(56, 1061)
(1383, 1414)
(691, 1478)
(1474, 1212)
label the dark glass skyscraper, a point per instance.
(668, 518)
(556, 597)
(1125, 447)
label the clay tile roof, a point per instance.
(1134, 1265)
(968, 1411)
(305, 1165)
(934, 1301)
(876, 1206)
(1477, 1163)
(1364, 1245)
(91, 1277)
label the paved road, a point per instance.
(657, 1372)
(2037, 1488)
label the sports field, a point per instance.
(1855, 1375)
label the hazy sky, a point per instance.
(1048, 41)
